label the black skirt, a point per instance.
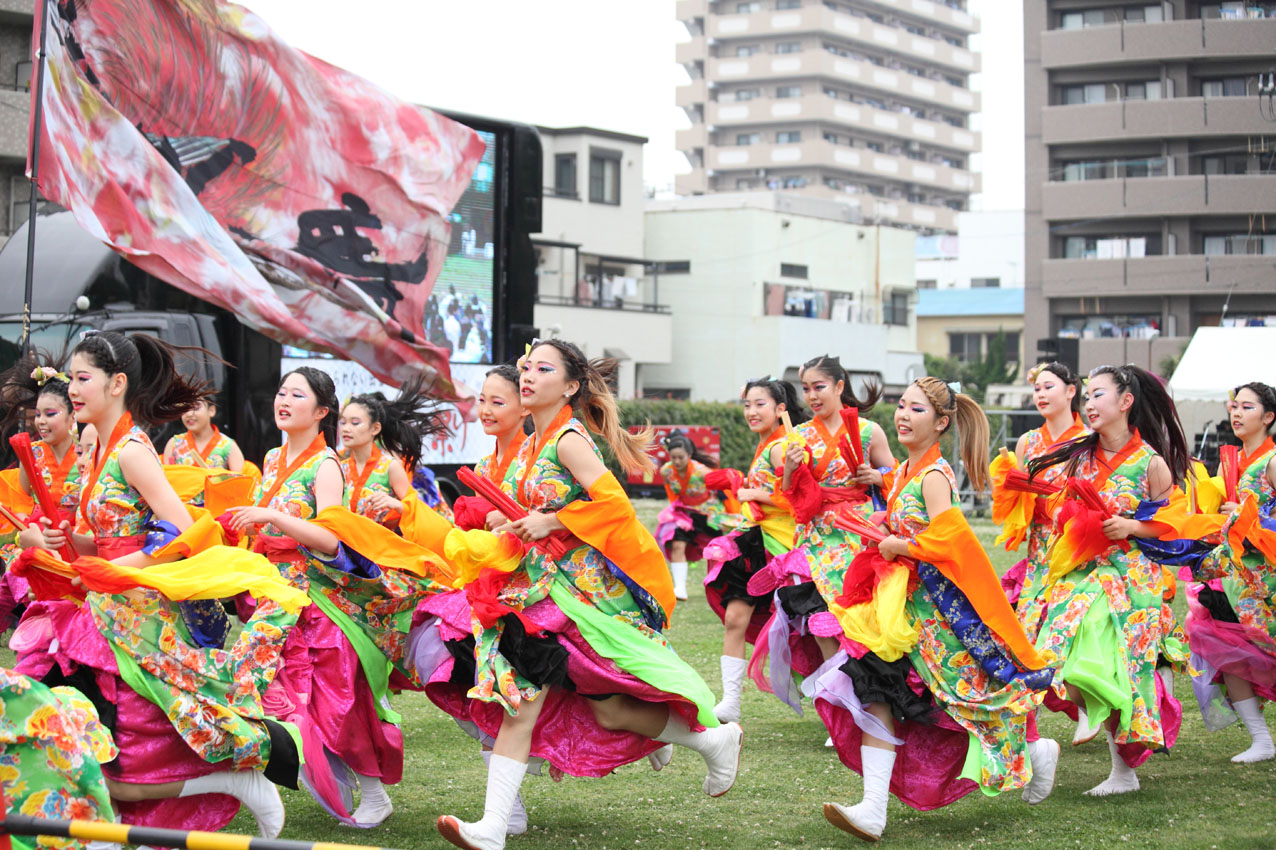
(1217, 603)
(886, 682)
(733, 579)
(802, 600)
(699, 529)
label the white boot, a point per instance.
(504, 776)
(1167, 679)
(1044, 755)
(679, 571)
(1122, 779)
(518, 815)
(251, 788)
(661, 757)
(1261, 747)
(1085, 732)
(720, 748)
(867, 818)
(733, 669)
(374, 802)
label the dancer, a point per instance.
(186, 719)
(568, 648)
(1103, 616)
(1230, 624)
(695, 514)
(203, 444)
(382, 439)
(500, 411)
(767, 534)
(927, 601)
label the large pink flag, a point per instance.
(313, 204)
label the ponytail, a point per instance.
(597, 406)
(973, 432)
(406, 422)
(156, 392)
(831, 368)
(325, 390)
(1063, 372)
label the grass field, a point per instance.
(1192, 798)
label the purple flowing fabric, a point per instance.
(63, 632)
(566, 734)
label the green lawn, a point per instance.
(1192, 798)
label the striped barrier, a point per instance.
(121, 833)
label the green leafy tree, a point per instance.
(975, 376)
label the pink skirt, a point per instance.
(150, 750)
(1242, 651)
(566, 734)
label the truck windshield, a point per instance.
(55, 340)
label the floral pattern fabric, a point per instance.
(378, 481)
(52, 746)
(994, 713)
(696, 497)
(66, 491)
(186, 455)
(1133, 587)
(1032, 600)
(830, 549)
(114, 508)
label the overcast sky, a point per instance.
(594, 62)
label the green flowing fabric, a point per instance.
(1097, 666)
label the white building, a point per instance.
(986, 252)
(593, 283)
(761, 282)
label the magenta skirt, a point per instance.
(150, 751)
(1242, 651)
(566, 734)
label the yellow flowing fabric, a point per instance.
(13, 497)
(881, 624)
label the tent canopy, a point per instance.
(1219, 359)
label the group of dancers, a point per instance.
(536, 613)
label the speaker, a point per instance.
(1066, 351)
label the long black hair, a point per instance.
(782, 392)
(1063, 372)
(679, 440)
(406, 422)
(1152, 413)
(831, 367)
(19, 391)
(157, 393)
(325, 390)
(1266, 397)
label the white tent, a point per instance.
(1218, 359)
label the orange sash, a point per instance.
(317, 445)
(100, 454)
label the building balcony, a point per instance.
(764, 68)
(689, 10)
(859, 161)
(692, 94)
(1169, 41)
(17, 11)
(1159, 197)
(942, 15)
(15, 106)
(695, 182)
(858, 31)
(1155, 119)
(874, 210)
(690, 138)
(690, 52)
(856, 116)
(1190, 274)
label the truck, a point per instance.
(80, 284)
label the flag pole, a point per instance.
(37, 125)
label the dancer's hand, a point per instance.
(1228, 508)
(794, 456)
(384, 501)
(245, 518)
(536, 526)
(893, 547)
(1118, 527)
(865, 474)
(54, 537)
(495, 519)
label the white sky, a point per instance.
(598, 63)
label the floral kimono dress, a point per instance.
(214, 455)
(362, 484)
(63, 480)
(695, 514)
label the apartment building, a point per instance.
(1151, 175)
(16, 21)
(867, 102)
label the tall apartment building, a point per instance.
(1151, 174)
(15, 105)
(863, 101)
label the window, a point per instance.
(789, 47)
(926, 284)
(1224, 87)
(1089, 93)
(788, 137)
(793, 270)
(748, 138)
(1109, 168)
(1111, 247)
(788, 91)
(565, 175)
(1012, 345)
(746, 8)
(673, 267)
(966, 348)
(746, 94)
(746, 50)
(831, 138)
(895, 309)
(19, 201)
(1234, 163)
(985, 283)
(1241, 243)
(874, 146)
(604, 176)
(788, 4)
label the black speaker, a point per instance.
(1066, 351)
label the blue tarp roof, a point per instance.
(970, 302)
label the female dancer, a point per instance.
(500, 410)
(203, 444)
(1230, 623)
(942, 617)
(186, 720)
(736, 557)
(1056, 391)
(383, 441)
(324, 684)
(1103, 615)
(695, 514)
(568, 648)
(828, 485)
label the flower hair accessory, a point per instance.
(1034, 372)
(954, 386)
(527, 350)
(43, 374)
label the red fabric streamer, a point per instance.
(45, 580)
(483, 595)
(729, 480)
(862, 576)
(556, 545)
(470, 512)
(1229, 466)
(21, 443)
(1018, 479)
(803, 494)
(852, 451)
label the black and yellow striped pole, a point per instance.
(120, 833)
